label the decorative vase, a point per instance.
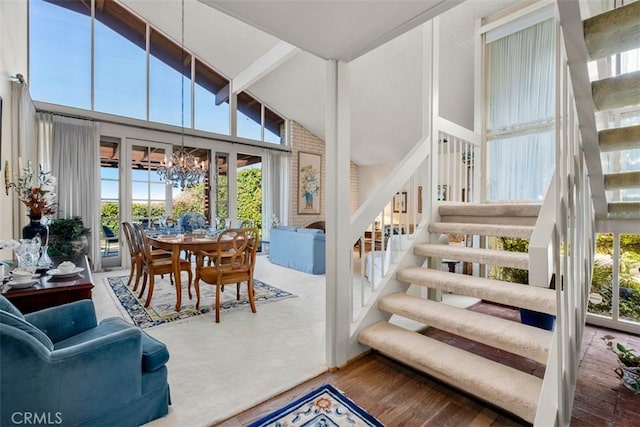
(36, 229)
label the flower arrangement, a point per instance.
(309, 179)
(40, 198)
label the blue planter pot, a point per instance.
(537, 319)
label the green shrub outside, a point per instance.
(602, 279)
(192, 200)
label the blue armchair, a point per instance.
(61, 366)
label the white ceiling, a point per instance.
(382, 40)
(338, 29)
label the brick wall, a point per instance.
(303, 140)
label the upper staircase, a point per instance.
(513, 390)
(607, 34)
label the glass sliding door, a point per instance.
(193, 199)
(249, 176)
(220, 193)
(150, 196)
(110, 150)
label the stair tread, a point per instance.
(624, 210)
(498, 230)
(616, 92)
(509, 388)
(483, 256)
(490, 209)
(620, 180)
(614, 31)
(618, 139)
(512, 294)
(514, 337)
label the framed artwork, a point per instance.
(400, 202)
(309, 185)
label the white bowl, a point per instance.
(20, 275)
(66, 267)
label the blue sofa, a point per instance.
(299, 248)
(59, 366)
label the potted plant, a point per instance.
(629, 361)
(68, 236)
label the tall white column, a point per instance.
(338, 256)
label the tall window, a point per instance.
(520, 94)
(210, 115)
(61, 58)
(120, 62)
(60, 52)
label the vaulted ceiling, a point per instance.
(276, 50)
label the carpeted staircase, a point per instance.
(506, 387)
(518, 392)
(609, 34)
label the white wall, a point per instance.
(457, 57)
(371, 177)
(13, 60)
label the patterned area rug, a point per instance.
(162, 307)
(325, 406)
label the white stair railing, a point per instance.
(571, 240)
(386, 226)
(458, 157)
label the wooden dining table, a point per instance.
(176, 244)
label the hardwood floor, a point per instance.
(400, 396)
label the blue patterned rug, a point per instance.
(162, 307)
(325, 406)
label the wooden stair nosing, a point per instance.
(514, 337)
(482, 256)
(513, 294)
(497, 230)
(503, 386)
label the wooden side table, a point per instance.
(52, 291)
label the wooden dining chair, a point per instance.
(156, 265)
(233, 262)
(134, 243)
(134, 254)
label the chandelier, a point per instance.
(182, 170)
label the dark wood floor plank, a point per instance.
(400, 396)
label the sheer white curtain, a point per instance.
(275, 184)
(22, 137)
(76, 163)
(521, 85)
